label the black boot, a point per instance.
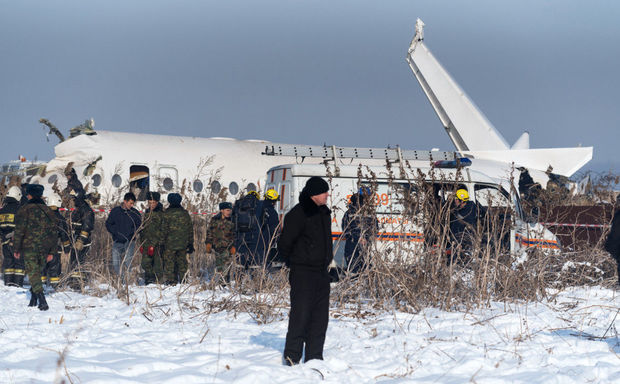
(8, 279)
(12, 281)
(33, 299)
(18, 280)
(148, 279)
(42, 303)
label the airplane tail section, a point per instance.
(470, 131)
(523, 142)
(454, 108)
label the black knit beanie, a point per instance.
(315, 186)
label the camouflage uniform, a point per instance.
(82, 222)
(221, 236)
(13, 268)
(178, 241)
(51, 271)
(151, 239)
(36, 236)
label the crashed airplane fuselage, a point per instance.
(115, 162)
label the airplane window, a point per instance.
(96, 179)
(52, 179)
(116, 180)
(233, 188)
(168, 184)
(198, 186)
(251, 187)
(216, 187)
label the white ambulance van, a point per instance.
(490, 185)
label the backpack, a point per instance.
(245, 214)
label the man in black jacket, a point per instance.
(306, 247)
(123, 223)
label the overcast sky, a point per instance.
(321, 71)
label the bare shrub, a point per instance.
(407, 274)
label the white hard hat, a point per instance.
(15, 193)
(54, 201)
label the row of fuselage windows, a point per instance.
(167, 184)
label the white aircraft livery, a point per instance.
(114, 162)
(470, 131)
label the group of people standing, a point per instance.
(244, 233)
(34, 235)
(165, 238)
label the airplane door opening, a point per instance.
(139, 181)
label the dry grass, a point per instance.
(399, 277)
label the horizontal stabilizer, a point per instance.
(564, 161)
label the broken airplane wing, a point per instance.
(469, 129)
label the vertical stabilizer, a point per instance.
(523, 142)
(467, 127)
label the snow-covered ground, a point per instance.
(164, 336)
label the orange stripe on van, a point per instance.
(282, 189)
(391, 236)
(536, 243)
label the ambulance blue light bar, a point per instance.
(459, 162)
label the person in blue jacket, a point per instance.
(123, 223)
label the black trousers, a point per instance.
(309, 314)
(12, 268)
(51, 270)
(77, 272)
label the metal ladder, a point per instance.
(333, 152)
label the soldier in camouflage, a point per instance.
(220, 239)
(82, 223)
(36, 236)
(178, 240)
(13, 268)
(51, 271)
(151, 239)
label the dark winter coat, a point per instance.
(152, 234)
(178, 229)
(466, 218)
(356, 226)
(82, 221)
(63, 231)
(247, 241)
(123, 223)
(35, 228)
(612, 244)
(220, 233)
(7, 219)
(306, 239)
(269, 221)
